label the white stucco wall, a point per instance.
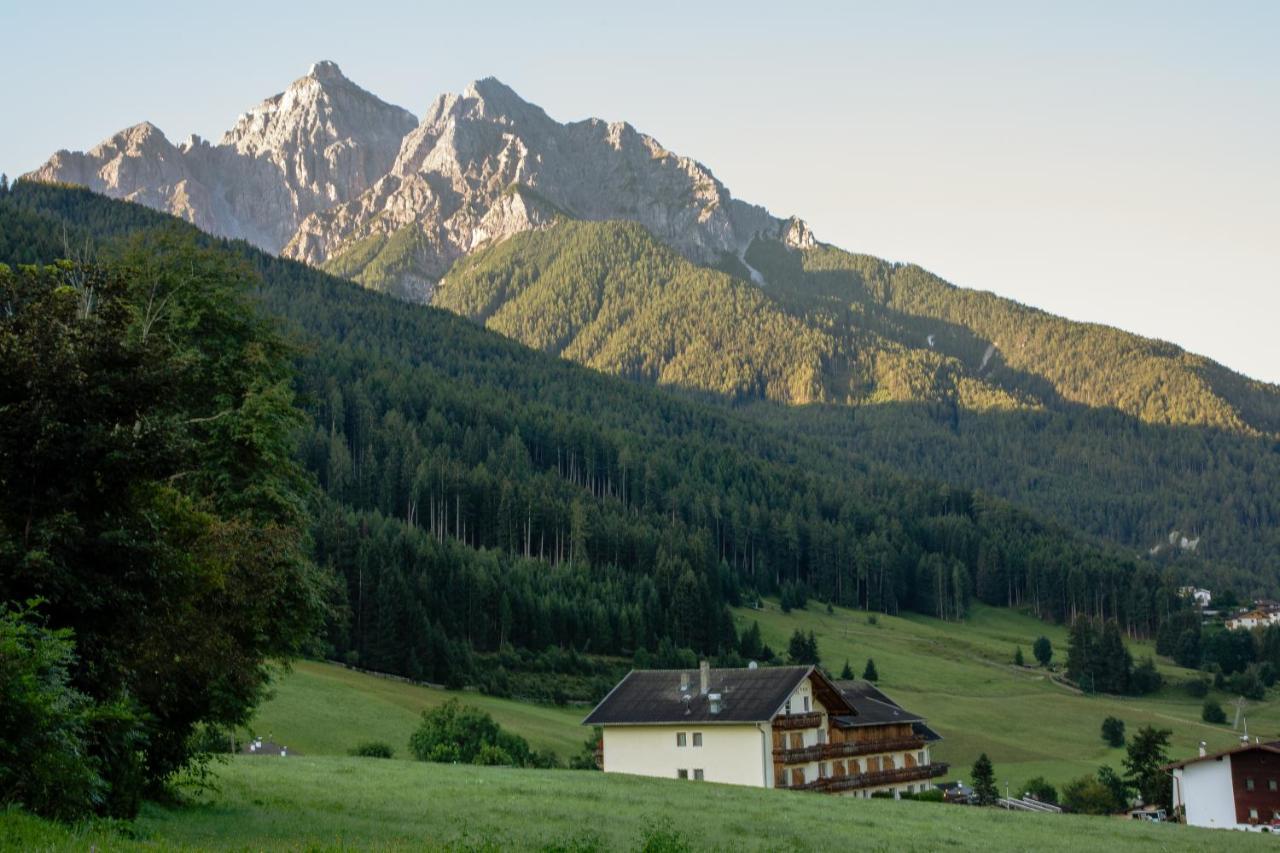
(1205, 788)
(730, 753)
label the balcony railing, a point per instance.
(810, 720)
(832, 784)
(825, 751)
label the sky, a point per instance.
(1116, 162)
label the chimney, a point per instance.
(1202, 749)
(704, 677)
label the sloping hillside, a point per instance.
(1122, 436)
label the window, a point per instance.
(1271, 784)
(1248, 784)
(920, 759)
(680, 739)
(697, 740)
(1253, 814)
(697, 774)
(806, 704)
(822, 771)
(786, 709)
(682, 774)
(822, 736)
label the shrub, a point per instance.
(1113, 731)
(1040, 788)
(1089, 795)
(372, 749)
(1212, 713)
(454, 733)
(1197, 688)
(1043, 650)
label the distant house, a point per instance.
(1254, 619)
(776, 727)
(1200, 597)
(1235, 789)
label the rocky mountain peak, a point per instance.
(325, 166)
(326, 69)
(795, 233)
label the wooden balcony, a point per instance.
(810, 720)
(833, 784)
(848, 749)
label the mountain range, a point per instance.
(591, 241)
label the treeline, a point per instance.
(480, 495)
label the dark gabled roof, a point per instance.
(876, 709)
(1270, 746)
(652, 696)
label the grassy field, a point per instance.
(325, 709)
(960, 676)
(352, 803)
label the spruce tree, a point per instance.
(846, 674)
(869, 671)
(984, 781)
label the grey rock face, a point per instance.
(327, 173)
(320, 142)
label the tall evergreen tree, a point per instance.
(983, 774)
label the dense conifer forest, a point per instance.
(480, 502)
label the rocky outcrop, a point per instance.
(321, 142)
(329, 174)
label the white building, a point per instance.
(1201, 597)
(775, 727)
(1235, 789)
(1254, 619)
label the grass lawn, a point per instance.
(960, 676)
(325, 709)
(359, 803)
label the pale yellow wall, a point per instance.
(734, 754)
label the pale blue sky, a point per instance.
(1114, 162)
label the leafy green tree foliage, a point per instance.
(1043, 650)
(455, 733)
(46, 725)
(1231, 650)
(1092, 795)
(1144, 757)
(984, 781)
(1040, 788)
(803, 648)
(1113, 732)
(150, 493)
(1212, 712)
(869, 672)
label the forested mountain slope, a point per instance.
(478, 495)
(1128, 438)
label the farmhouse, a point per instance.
(1256, 618)
(776, 727)
(1235, 789)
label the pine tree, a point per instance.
(869, 671)
(846, 674)
(1017, 656)
(984, 781)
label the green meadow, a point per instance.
(324, 803)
